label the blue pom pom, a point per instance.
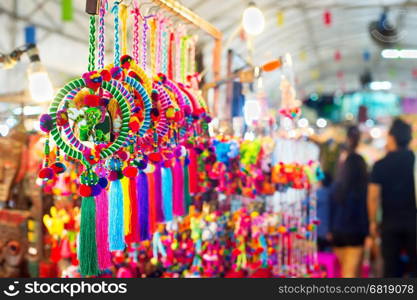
(103, 182)
(95, 190)
(45, 122)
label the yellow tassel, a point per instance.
(126, 205)
(123, 17)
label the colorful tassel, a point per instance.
(187, 196)
(143, 202)
(152, 206)
(167, 193)
(116, 236)
(102, 227)
(158, 194)
(88, 250)
(134, 206)
(127, 213)
(179, 208)
(193, 172)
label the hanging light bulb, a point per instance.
(40, 86)
(253, 20)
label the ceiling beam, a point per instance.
(51, 29)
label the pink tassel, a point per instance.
(178, 199)
(102, 224)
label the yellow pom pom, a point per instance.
(154, 261)
(254, 214)
(174, 246)
(170, 113)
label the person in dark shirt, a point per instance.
(349, 216)
(392, 184)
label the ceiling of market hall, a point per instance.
(300, 31)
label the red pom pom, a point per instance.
(130, 172)
(168, 163)
(134, 125)
(92, 100)
(178, 116)
(46, 173)
(61, 118)
(133, 74)
(105, 75)
(85, 190)
(123, 155)
(58, 167)
(113, 176)
(155, 157)
(125, 61)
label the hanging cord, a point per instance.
(159, 30)
(184, 58)
(191, 57)
(115, 12)
(92, 45)
(123, 14)
(102, 13)
(136, 14)
(144, 41)
(178, 36)
(171, 55)
(164, 46)
(153, 46)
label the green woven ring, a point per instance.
(69, 149)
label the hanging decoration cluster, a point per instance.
(130, 125)
(135, 133)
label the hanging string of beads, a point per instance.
(153, 40)
(164, 45)
(123, 13)
(136, 14)
(92, 45)
(115, 12)
(102, 12)
(191, 55)
(145, 28)
(184, 58)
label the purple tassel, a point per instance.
(143, 204)
(158, 194)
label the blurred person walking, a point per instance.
(392, 185)
(349, 217)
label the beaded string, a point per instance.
(160, 42)
(191, 56)
(145, 28)
(92, 44)
(183, 58)
(136, 14)
(153, 45)
(178, 54)
(170, 56)
(164, 47)
(123, 16)
(115, 12)
(102, 12)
